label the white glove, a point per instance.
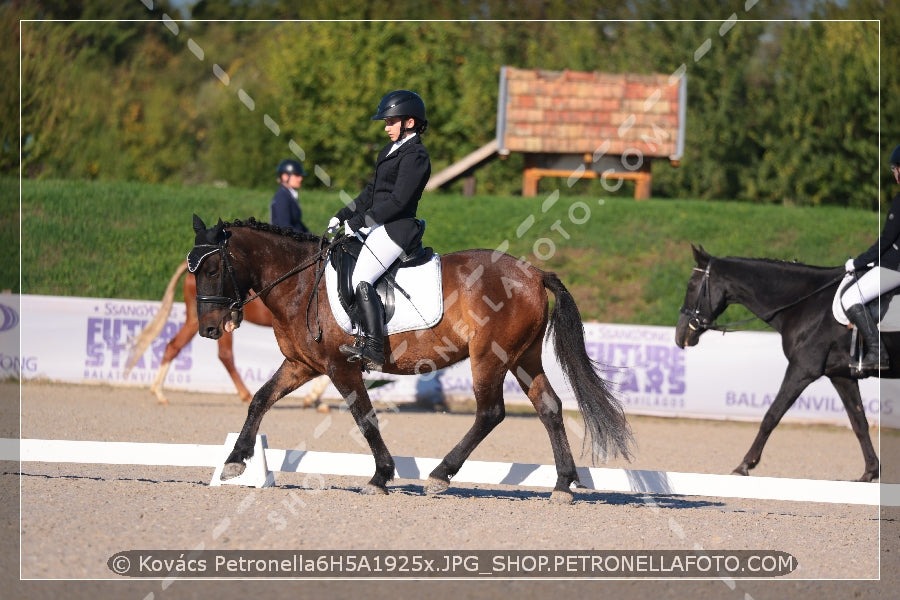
(849, 266)
(347, 229)
(333, 225)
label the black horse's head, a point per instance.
(219, 296)
(703, 302)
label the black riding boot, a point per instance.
(876, 356)
(369, 344)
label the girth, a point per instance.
(343, 259)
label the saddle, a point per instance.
(343, 258)
(880, 309)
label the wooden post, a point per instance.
(469, 186)
(530, 178)
(643, 182)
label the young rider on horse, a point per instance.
(885, 255)
(384, 214)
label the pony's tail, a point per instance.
(139, 343)
(604, 417)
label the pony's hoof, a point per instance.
(436, 486)
(741, 470)
(374, 490)
(562, 497)
(232, 470)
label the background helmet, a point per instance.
(895, 156)
(291, 166)
(401, 103)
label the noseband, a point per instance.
(235, 305)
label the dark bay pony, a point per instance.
(495, 313)
(254, 312)
(795, 300)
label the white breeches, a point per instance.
(869, 286)
(378, 253)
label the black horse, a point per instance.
(795, 300)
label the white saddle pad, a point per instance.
(423, 311)
(890, 322)
(836, 308)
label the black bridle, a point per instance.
(698, 322)
(236, 304)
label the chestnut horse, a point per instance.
(495, 313)
(255, 312)
(795, 300)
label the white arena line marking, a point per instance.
(484, 472)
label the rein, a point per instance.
(697, 321)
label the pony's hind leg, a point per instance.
(173, 348)
(489, 412)
(848, 389)
(549, 409)
(157, 385)
(226, 356)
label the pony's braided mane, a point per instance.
(785, 263)
(252, 223)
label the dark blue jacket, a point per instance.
(886, 251)
(285, 212)
(392, 196)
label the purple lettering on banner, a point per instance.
(256, 374)
(650, 375)
(106, 348)
(748, 400)
(12, 365)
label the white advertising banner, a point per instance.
(735, 376)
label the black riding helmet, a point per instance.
(895, 156)
(402, 103)
(291, 166)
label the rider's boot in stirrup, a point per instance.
(876, 356)
(369, 345)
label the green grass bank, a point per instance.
(624, 261)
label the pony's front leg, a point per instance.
(286, 379)
(353, 389)
(796, 379)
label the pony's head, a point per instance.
(703, 302)
(219, 296)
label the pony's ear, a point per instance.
(219, 233)
(701, 256)
(199, 225)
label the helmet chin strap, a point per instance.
(404, 129)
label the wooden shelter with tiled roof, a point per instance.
(584, 125)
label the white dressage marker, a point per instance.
(257, 473)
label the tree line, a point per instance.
(779, 110)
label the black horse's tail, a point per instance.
(604, 417)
